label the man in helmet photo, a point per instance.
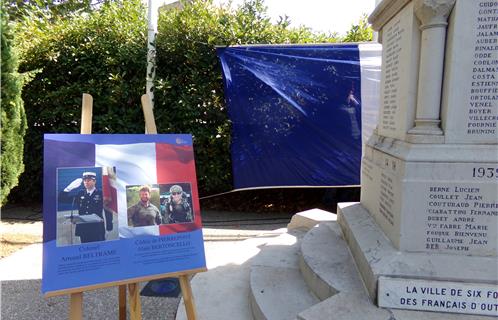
(177, 208)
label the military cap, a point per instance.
(175, 188)
(89, 175)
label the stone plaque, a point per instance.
(455, 212)
(400, 40)
(383, 199)
(439, 296)
(439, 207)
(470, 91)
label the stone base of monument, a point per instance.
(435, 198)
(425, 233)
(418, 280)
(305, 272)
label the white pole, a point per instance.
(151, 49)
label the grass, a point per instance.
(16, 234)
(10, 243)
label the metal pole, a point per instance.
(151, 49)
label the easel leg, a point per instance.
(86, 114)
(122, 302)
(135, 307)
(76, 309)
(188, 298)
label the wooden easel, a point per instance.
(76, 304)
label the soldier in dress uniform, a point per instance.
(88, 201)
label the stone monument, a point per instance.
(424, 235)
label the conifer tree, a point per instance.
(13, 118)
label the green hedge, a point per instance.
(13, 118)
(102, 53)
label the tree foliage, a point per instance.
(17, 9)
(359, 32)
(13, 118)
(101, 52)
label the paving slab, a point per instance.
(25, 264)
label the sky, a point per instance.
(320, 15)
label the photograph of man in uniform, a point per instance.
(86, 206)
(176, 207)
(143, 213)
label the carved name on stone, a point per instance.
(470, 88)
(400, 59)
(458, 214)
(483, 104)
(391, 83)
(458, 218)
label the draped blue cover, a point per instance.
(296, 114)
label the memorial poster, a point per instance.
(118, 208)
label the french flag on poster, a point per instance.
(129, 162)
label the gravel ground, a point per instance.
(21, 299)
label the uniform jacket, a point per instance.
(140, 215)
(86, 205)
(177, 213)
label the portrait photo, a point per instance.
(142, 202)
(176, 203)
(86, 205)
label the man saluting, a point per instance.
(88, 201)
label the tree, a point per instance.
(17, 9)
(359, 32)
(13, 118)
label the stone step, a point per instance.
(278, 291)
(330, 271)
(326, 263)
(222, 293)
(345, 305)
(264, 278)
(376, 256)
(308, 219)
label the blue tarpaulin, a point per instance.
(300, 112)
